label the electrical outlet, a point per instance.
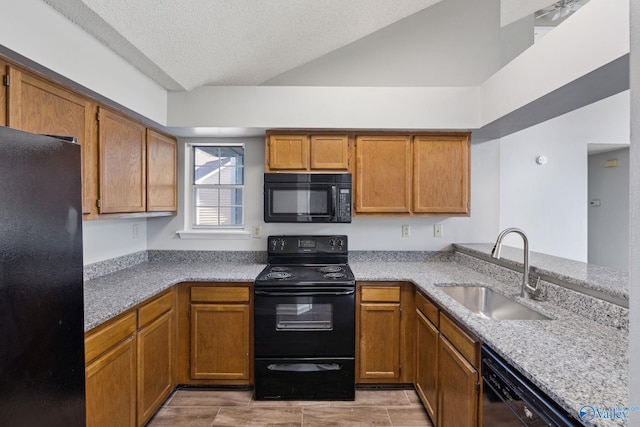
(437, 230)
(256, 232)
(136, 231)
(405, 230)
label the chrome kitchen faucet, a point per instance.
(527, 291)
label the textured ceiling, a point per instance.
(189, 43)
(184, 44)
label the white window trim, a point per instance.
(189, 232)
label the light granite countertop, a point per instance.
(576, 361)
(603, 282)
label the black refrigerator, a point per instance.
(41, 297)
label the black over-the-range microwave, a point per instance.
(307, 197)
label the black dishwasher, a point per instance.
(509, 399)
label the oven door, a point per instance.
(309, 321)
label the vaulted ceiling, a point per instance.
(189, 43)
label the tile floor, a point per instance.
(209, 408)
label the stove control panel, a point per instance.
(307, 244)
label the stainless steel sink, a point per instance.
(489, 304)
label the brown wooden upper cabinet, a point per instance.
(122, 163)
(441, 174)
(39, 106)
(383, 174)
(329, 152)
(162, 172)
(303, 152)
(126, 168)
(412, 175)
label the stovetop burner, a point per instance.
(334, 276)
(330, 269)
(278, 275)
(306, 260)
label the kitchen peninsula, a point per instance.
(576, 360)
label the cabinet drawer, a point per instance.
(466, 344)
(429, 310)
(115, 331)
(380, 294)
(220, 294)
(154, 309)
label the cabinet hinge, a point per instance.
(99, 203)
(5, 80)
(477, 388)
(98, 116)
(189, 314)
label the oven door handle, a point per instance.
(304, 367)
(311, 293)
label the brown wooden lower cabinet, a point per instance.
(384, 333)
(111, 387)
(205, 338)
(130, 363)
(427, 335)
(447, 368)
(110, 352)
(458, 388)
(156, 350)
(220, 341)
(215, 343)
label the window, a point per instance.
(217, 186)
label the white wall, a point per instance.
(364, 233)
(634, 258)
(38, 32)
(592, 37)
(549, 201)
(106, 239)
(34, 30)
(326, 107)
(608, 239)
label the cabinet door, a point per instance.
(4, 72)
(379, 356)
(288, 152)
(220, 341)
(38, 106)
(155, 365)
(383, 174)
(458, 388)
(427, 363)
(441, 175)
(162, 172)
(329, 152)
(111, 387)
(122, 164)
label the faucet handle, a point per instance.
(538, 292)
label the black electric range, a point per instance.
(304, 323)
